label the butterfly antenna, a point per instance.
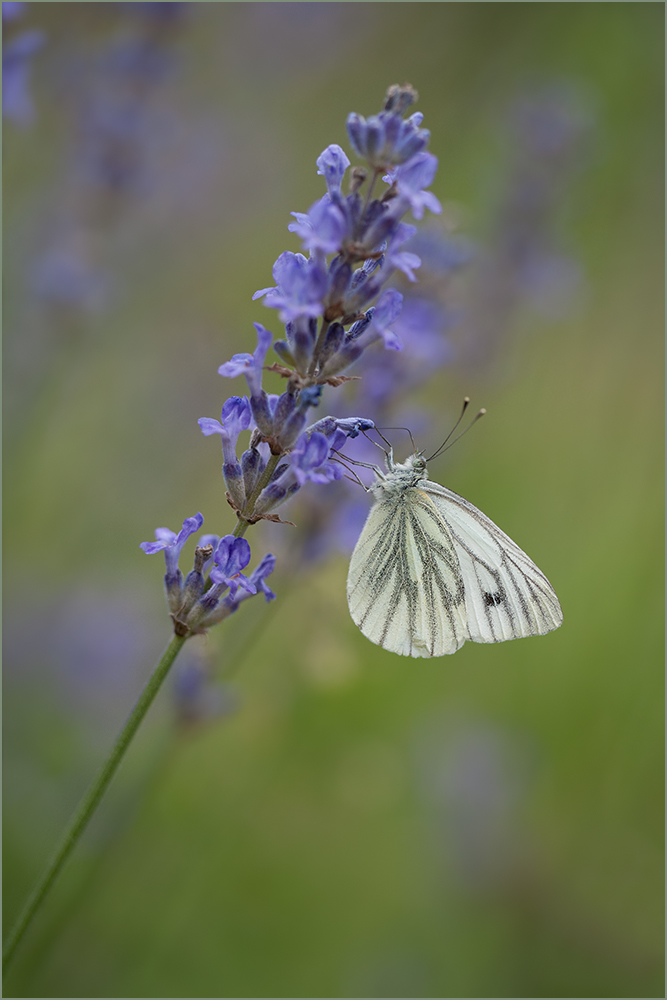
(445, 446)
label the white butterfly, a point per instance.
(430, 571)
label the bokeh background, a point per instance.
(303, 813)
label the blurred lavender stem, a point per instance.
(91, 799)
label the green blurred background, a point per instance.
(340, 821)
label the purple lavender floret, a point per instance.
(258, 575)
(402, 260)
(171, 542)
(301, 285)
(410, 181)
(309, 460)
(258, 580)
(236, 417)
(324, 228)
(250, 365)
(332, 164)
(230, 557)
(351, 427)
(228, 585)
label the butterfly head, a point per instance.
(415, 466)
(417, 463)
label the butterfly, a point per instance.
(430, 570)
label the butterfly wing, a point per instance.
(404, 586)
(506, 595)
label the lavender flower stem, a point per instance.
(242, 524)
(91, 799)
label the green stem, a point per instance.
(91, 799)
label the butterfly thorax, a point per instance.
(400, 476)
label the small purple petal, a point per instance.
(237, 366)
(332, 164)
(208, 426)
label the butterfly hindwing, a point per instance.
(507, 596)
(404, 587)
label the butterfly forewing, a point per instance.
(404, 586)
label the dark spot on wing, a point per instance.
(491, 599)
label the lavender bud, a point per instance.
(302, 337)
(233, 477)
(332, 341)
(284, 408)
(271, 496)
(357, 178)
(282, 350)
(358, 328)
(342, 359)
(356, 132)
(398, 99)
(340, 273)
(204, 606)
(292, 429)
(173, 586)
(262, 413)
(252, 464)
(194, 581)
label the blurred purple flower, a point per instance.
(12, 10)
(410, 181)
(17, 103)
